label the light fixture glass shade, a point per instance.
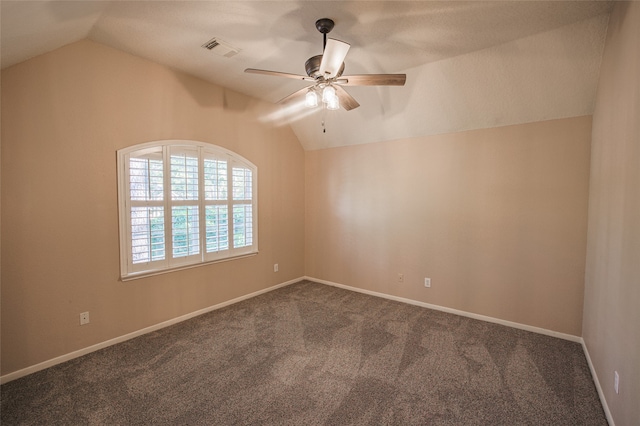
(328, 94)
(334, 103)
(311, 99)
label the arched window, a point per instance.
(183, 203)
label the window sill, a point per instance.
(145, 274)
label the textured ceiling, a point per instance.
(469, 65)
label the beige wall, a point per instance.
(611, 328)
(64, 115)
(496, 218)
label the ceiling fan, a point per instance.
(325, 73)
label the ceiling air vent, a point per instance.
(221, 48)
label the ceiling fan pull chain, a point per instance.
(324, 117)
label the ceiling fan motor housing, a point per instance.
(312, 66)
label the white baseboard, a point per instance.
(75, 354)
(538, 330)
(603, 400)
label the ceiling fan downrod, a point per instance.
(324, 25)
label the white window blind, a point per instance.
(184, 203)
(242, 208)
(146, 193)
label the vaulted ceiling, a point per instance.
(469, 65)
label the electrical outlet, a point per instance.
(427, 282)
(616, 382)
(275, 267)
(84, 318)
(400, 278)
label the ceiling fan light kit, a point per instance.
(311, 99)
(329, 97)
(325, 73)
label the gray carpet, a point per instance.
(310, 354)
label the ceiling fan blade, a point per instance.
(374, 80)
(293, 95)
(334, 53)
(346, 100)
(278, 74)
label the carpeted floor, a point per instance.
(310, 354)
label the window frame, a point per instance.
(205, 151)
